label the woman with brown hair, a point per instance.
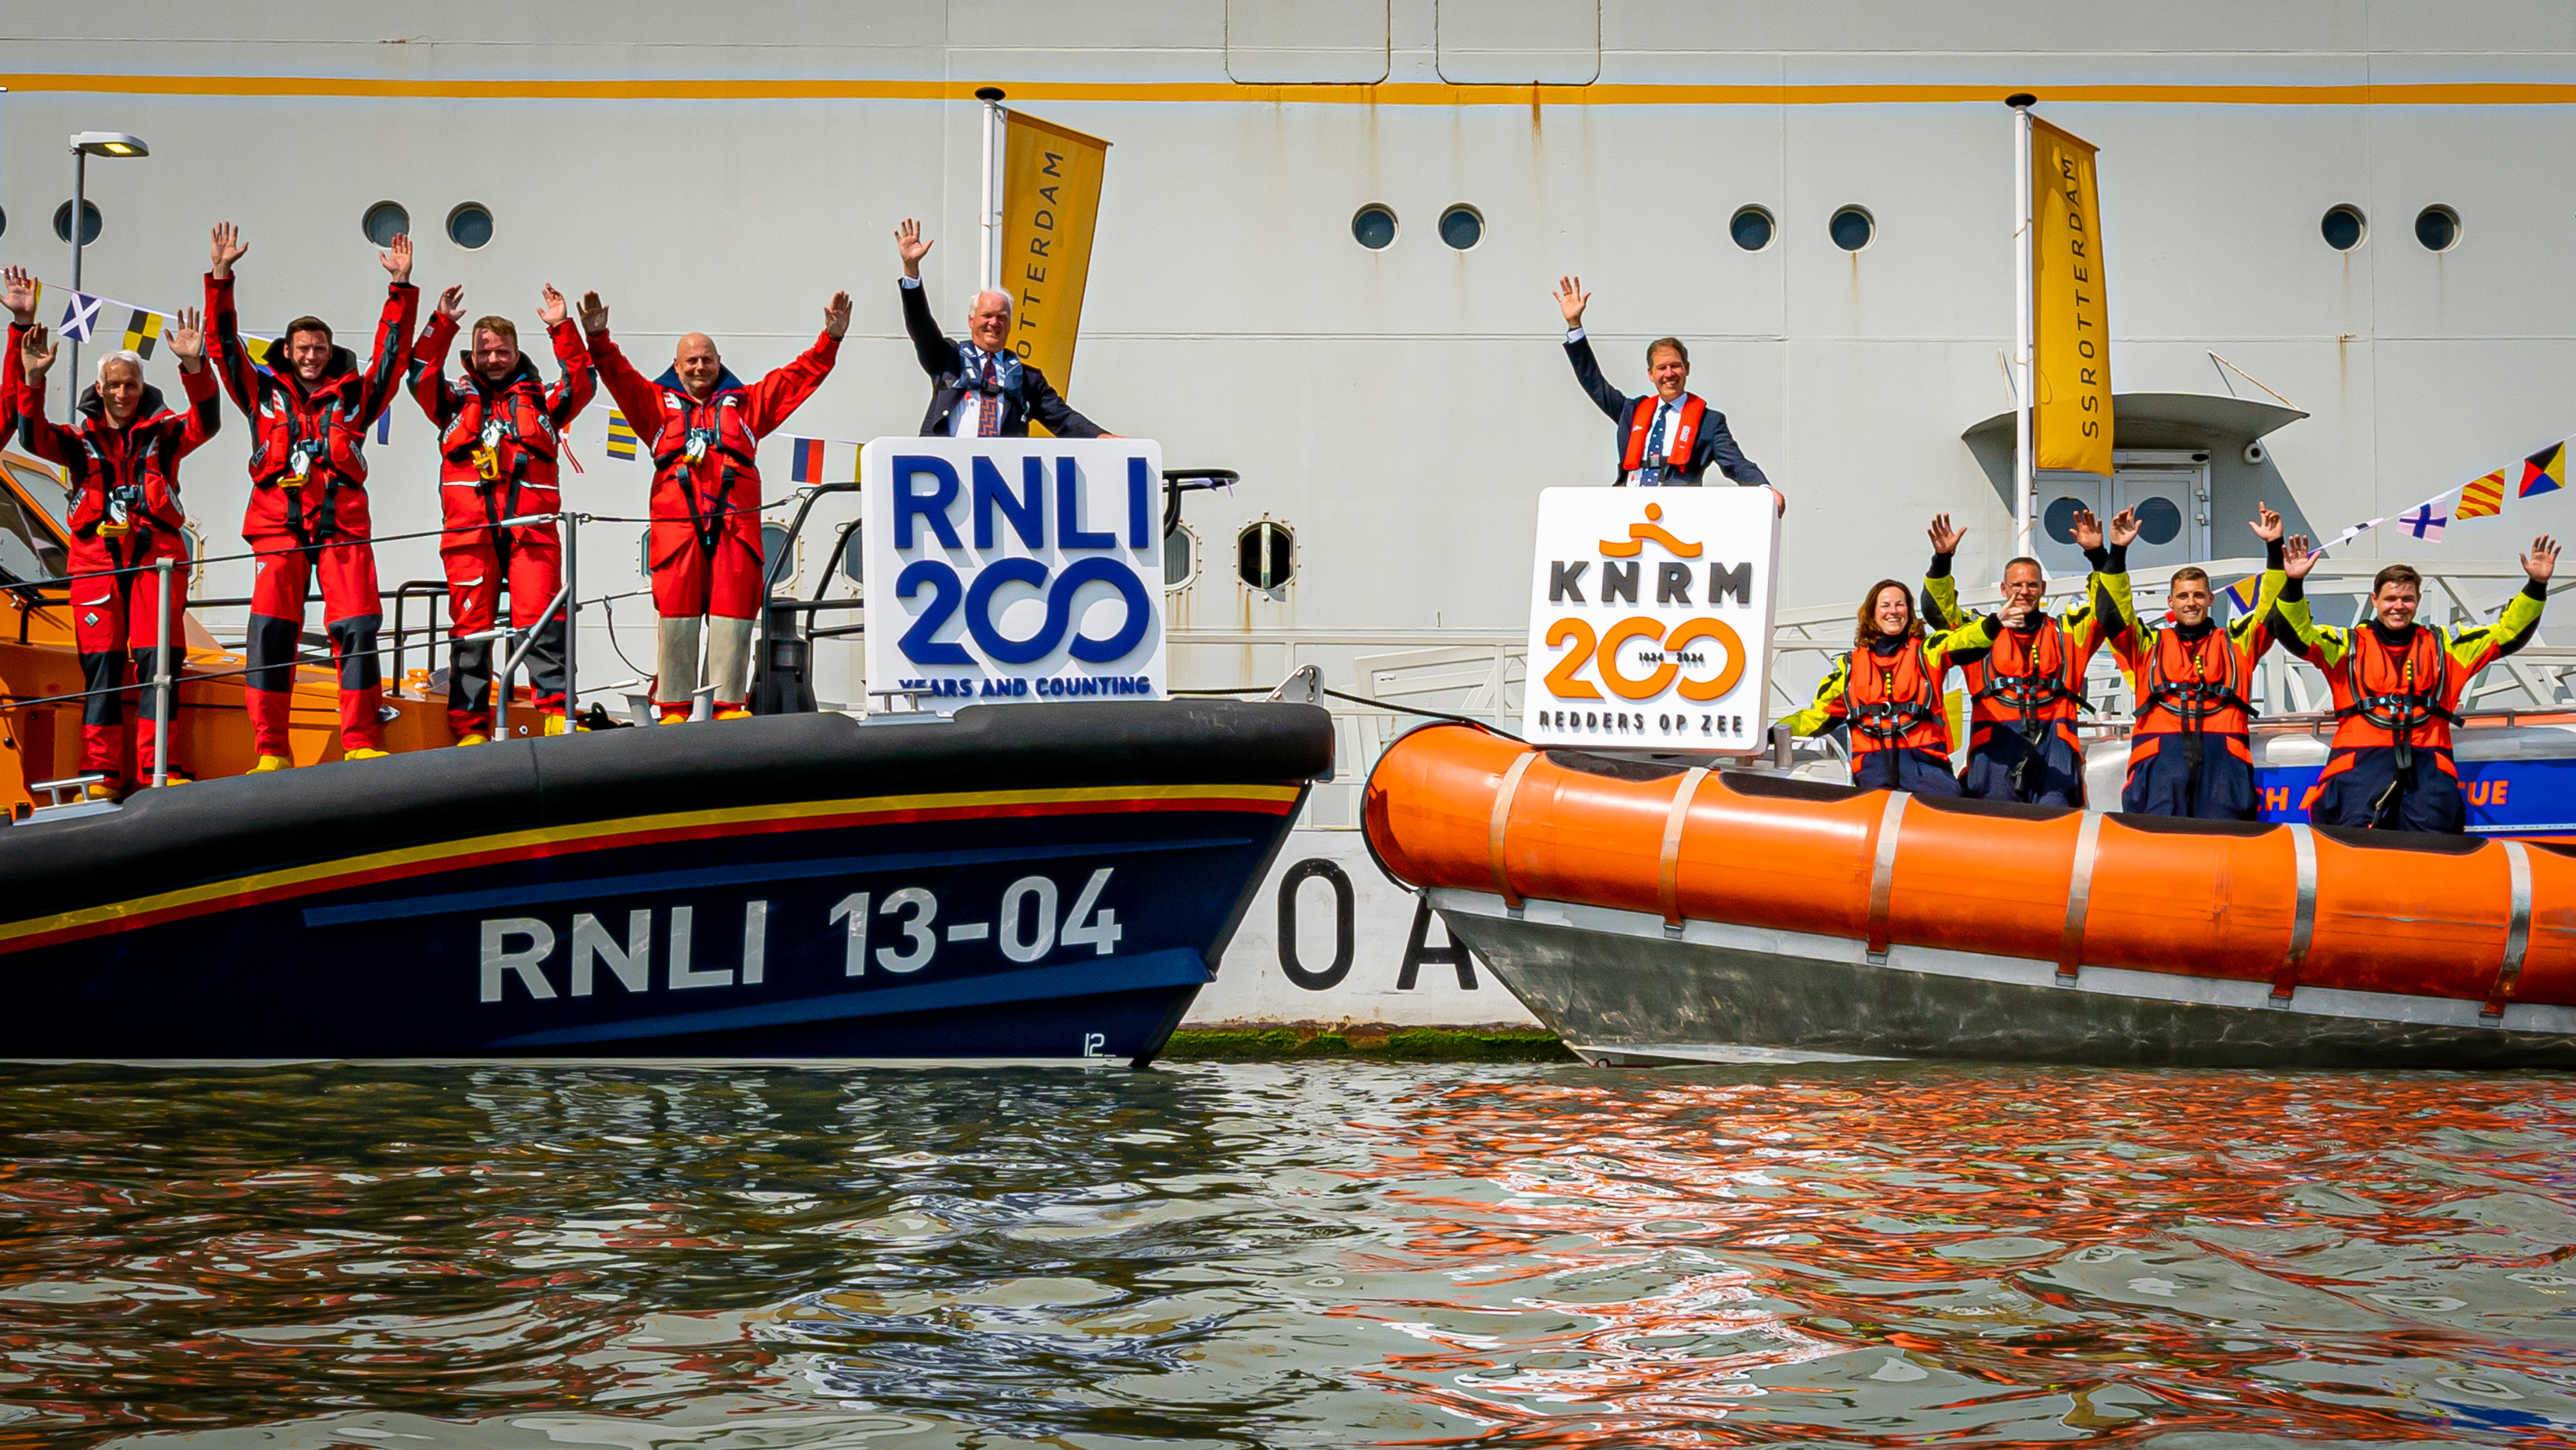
(1887, 691)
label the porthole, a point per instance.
(2343, 227)
(1180, 558)
(2059, 520)
(2159, 520)
(1852, 228)
(470, 225)
(1462, 226)
(1265, 555)
(853, 559)
(385, 221)
(1373, 226)
(2438, 228)
(4, 222)
(89, 222)
(781, 553)
(1751, 228)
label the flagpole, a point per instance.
(2024, 492)
(80, 213)
(989, 272)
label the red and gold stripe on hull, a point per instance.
(260, 888)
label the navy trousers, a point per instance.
(2163, 781)
(2426, 798)
(1922, 772)
(1995, 771)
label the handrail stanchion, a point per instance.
(162, 685)
(503, 663)
(526, 640)
(572, 618)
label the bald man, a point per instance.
(704, 429)
(979, 388)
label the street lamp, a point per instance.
(86, 144)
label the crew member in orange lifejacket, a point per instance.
(1669, 438)
(1887, 691)
(2190, 752)
(704, 427)
(120, 463)
(309, 411)
(500, 435)
(2027, 688)
(2397, 687)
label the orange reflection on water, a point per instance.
(1904, 1255)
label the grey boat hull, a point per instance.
(1620, 988)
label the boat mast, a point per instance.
(2024, 499)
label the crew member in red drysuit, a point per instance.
(120, 463)
(703, 428)
(500, 435)
(309, 410)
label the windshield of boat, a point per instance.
(27, 547)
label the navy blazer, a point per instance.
(1714, 445)
(939, 357)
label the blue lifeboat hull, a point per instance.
(1023, 882)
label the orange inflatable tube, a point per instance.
(2489, 921)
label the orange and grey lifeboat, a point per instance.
(1650, 912)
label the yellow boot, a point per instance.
(365, 754)
(267, 763)
(474, 737)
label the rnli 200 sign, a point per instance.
(1650, 618)
(1014, 569)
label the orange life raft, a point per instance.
(2485, 922)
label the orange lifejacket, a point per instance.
(2023, 678)
(2395, 697)
(1893, 703)
(1677, 446)
(2177, 693)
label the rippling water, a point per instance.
(1327, 1255)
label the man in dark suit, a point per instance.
(1669, 438)
(978, 388)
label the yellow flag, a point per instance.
(2070, 311)
(1050, 202)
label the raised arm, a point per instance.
(2252, 630)
(2478, 646)
(633, 393)
(391, 358)
(2104, 611)
(1940, 601)
(786, 388)
(233, 367)
(1572, 299)
(429, 358)
(937, 355)
(2321, 645)
(31, 356)
(205, 415)
(573, 390)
